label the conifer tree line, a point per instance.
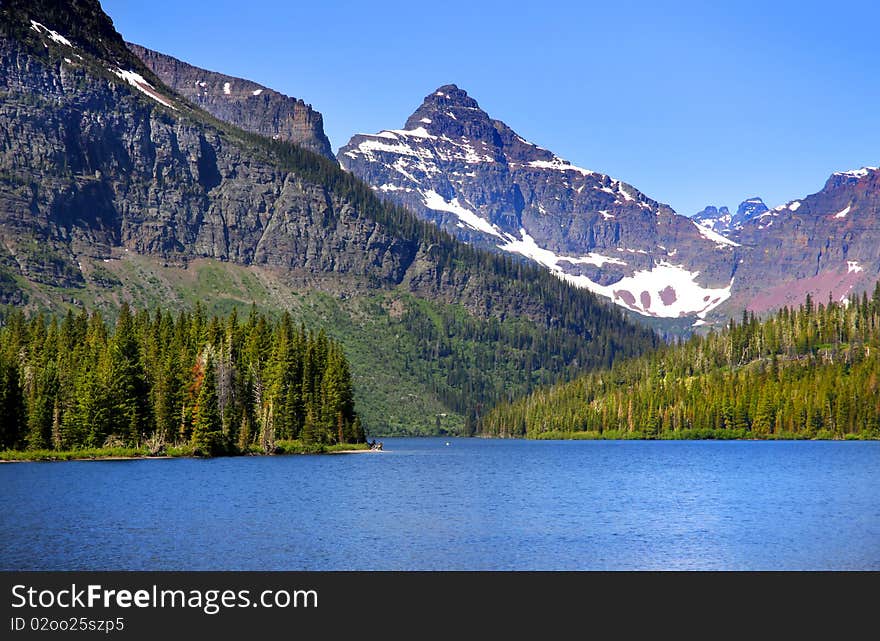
(810, 372)
(219, 385)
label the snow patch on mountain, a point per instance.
(54, 36)
(528, 247)
(665, 290)
(842, 213)
(418, 132)
(857, 173)
(391, 187)
(715, 237)
(560, 165)
(435, 201)
(137, 81)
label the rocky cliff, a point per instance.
(826, 244)
(477, 179)
(241, 102)
(124, 164)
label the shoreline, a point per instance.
(48, 456)
(89, 458)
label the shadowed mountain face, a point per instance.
(240, 102)
(476, 178)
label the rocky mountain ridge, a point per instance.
(240, 102)
(825, 244)
(473, 176)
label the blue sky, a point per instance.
(694, 103)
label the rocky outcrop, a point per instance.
(476, 178)
(241, 102)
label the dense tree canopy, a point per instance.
(218, 384)
(803, 373)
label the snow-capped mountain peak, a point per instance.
(721, 221)
(474, 176)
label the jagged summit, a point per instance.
(451, 96)
(474, 176)
(711, 212)
(750, 208)
(451, 112)
(721, 221)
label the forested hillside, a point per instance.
(810, 372)
(216, 384)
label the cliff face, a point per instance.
(92, 165)
(476, 178)
(825, 244)
(243, 103)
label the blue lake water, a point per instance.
(472, 505)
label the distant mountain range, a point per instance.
(720, 220)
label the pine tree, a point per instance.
(12, 411)
(208, 425)
(127, 383)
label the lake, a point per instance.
(474, 504)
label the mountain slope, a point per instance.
(476, 178)
(240, 102)
(825, 244)
(113, 187)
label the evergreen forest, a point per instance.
(810, 372)
(154, 381)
